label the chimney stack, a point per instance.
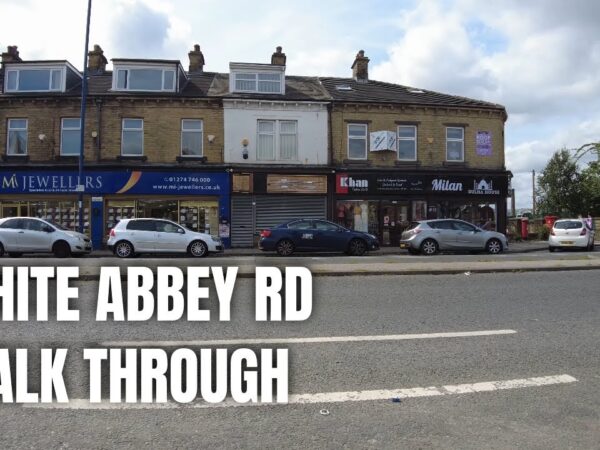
(360, 67)
(96, 61)
(196, 60)
(11, 54)
(278, 58)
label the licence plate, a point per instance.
(403, 245)
(566, 242)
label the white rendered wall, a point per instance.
(240, 122)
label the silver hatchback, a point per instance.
(430, 236)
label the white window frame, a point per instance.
(200, 131)
(276, 134)
(126, 69)
(123, 129)
(256, 81)
(365, 138)
(50, 69)
(273, 134)
(62, 129)
(295, 134)
(8, 131)
(462, 141)
(398, 139)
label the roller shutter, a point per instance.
(242, 221)
(272, 210)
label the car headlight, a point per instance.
(216, 239)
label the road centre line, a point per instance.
(329, 397)
(305, 340)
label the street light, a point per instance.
(80, 184)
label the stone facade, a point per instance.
(431, 126)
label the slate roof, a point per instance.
(381, 92)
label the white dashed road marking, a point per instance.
(333, 397)
(305, 340)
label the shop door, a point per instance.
(242, 221)
(394, 222)
(14, 210)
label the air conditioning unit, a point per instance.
(382, 141)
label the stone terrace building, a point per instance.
(153, 143)
(403, 154)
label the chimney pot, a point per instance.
(11, 54)
(96, 60)
(278, 58)
(196, 59)
(360, 67)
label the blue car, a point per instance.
(315, 235)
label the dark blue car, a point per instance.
(315, 235)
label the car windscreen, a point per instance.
(568, 225)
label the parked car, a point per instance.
(430, 236)
(315, 235)
(20, 235)
(133, 236)
(571, 233)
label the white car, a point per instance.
(133, 236)
(20, 235)
(571, 233)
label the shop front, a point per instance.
(196, 200)
(384, 204)
(262, 200)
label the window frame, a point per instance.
(413, 139)
(277, 134)
(141, 130)
(49, 69)
(62, 130)
(280, 134)
(365, 138)
(9, 130)
(273, 135)
(462, 141)
(256, 81)
(127, 69)
(201, 132)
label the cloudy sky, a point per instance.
(539, 58)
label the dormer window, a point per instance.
(35, 80)
(257, 78)
(147, 75)
(131, 79)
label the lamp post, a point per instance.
(84, 87)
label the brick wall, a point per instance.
(431, 133)
(162, 126)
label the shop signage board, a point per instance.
(370, 183)
(122, 182)
(483, 143)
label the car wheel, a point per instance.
(198, 249)
(124, 249)
(15, 254)
(551, 249)
(285, 247)
(494, 246)
(61, 249)
(413, 251)
(1, 250)
(357, 247)
(429, 247)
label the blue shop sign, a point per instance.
(124, 182)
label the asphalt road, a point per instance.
(554, 323)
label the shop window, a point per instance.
(191, 137)
(60, 212)
(117, 210)
(70, 137)
(132, 139)
(419, 210)
(17, 137)
(482, 215)
(357, 141)
(455, 144)
(407, 143)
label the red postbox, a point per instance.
(524, 227)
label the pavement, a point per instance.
(521, 258)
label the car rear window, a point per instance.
(568, 225)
